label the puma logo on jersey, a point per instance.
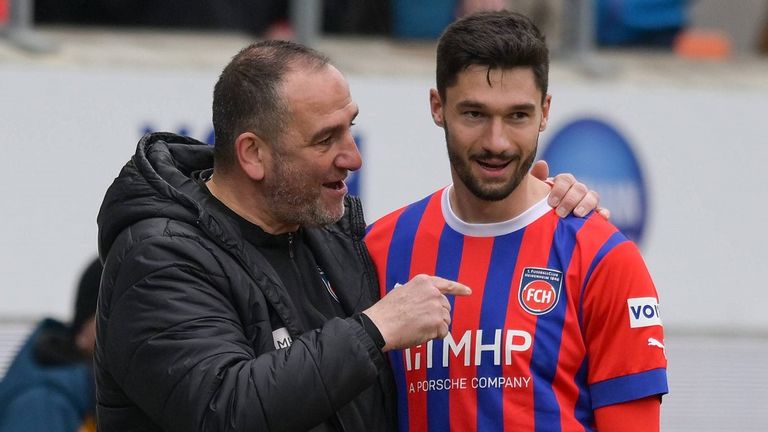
(655, 343)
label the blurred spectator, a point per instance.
(265, 18)
(424, 19)
(49, 386)
(546, 14)
(255, 17)
(762, 42)
(650, 23)
(365, 17)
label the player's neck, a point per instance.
(471, 209)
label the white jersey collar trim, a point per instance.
(494, 229)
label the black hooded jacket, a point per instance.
(187, 312)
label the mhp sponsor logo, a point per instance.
(598, 155)
(208, 137)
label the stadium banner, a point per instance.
(679, 167)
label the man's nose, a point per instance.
(496, 140)
(349, 157)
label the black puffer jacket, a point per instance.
(187, 310)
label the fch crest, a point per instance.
(540, 289)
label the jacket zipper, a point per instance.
(336, 419)
(290, 246)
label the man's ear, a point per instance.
(252, 154)
(436, 106)
(545, 112)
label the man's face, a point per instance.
(85, 339)
(305, 180)
(491, 129)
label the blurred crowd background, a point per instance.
(618, 23)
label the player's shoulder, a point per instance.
(589, 228)
(595, 239)
(388, 222)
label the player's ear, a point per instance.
(545, 112)
(436, 106)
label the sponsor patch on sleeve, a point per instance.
(643, 312)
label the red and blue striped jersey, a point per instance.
(563, 319)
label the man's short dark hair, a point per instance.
(247, 95)
(87, 293)
(494, 39)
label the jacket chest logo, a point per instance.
(281, 338)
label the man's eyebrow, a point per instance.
(329, 130)
(470, 104)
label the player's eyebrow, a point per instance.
(471, 104)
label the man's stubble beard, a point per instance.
(464, 172)
(294, 200)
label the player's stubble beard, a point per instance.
(463, 170)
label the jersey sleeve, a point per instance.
(623, 331)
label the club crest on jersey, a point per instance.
(539, 289)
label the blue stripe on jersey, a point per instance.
(613, 241)
(448, 262)
(493, 315)
(398, 267)
(549, 331)
(583, 410)
(629, 387)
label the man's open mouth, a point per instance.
(493, 165)
(337, 185)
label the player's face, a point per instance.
(492, 119)
(316, 152)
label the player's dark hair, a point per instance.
(494, 39)
(247, 95)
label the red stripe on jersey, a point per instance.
(377, 241)
(630, 279)
(423, 261)
(424, 255)
(590, 238)
(534, 252)
(475, 259)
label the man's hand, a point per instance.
(569, 195)
(416, 312)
